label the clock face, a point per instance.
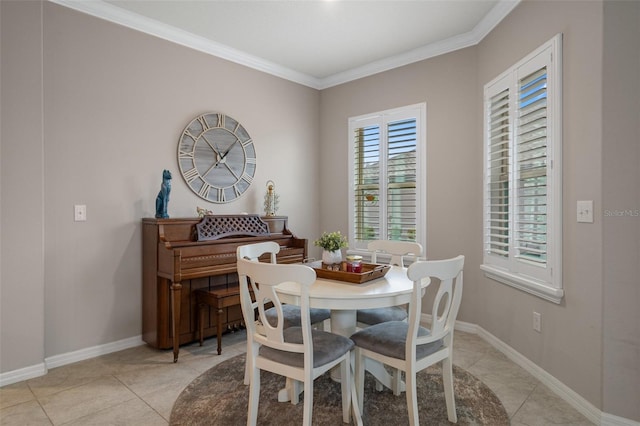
(217, 158)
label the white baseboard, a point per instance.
(92, 352)
(467, 327)
(41, 369)
(587, 409)
(26, 373)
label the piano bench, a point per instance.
(219, 300)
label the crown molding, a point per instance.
(108, 12)
(146, 25)
(471, 38)
(493, 18)
(412, 56)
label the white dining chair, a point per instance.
(398, 252)
(299, 352)
(409, 347)
(291, 312)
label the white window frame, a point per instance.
(382, 118)
(543, 281)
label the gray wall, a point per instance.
(621, 193)
(91, 114)
(22, 208)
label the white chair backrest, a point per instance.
(446, 302)
(263, 278)
(254, 251)
(398, 250)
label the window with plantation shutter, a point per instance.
(385, 192)
(522, 178)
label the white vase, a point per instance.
(331, 257)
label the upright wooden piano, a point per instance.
(183, 255)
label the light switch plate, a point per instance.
(585, 211)
(80, 212)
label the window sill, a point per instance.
(523, 283)
(381, 258)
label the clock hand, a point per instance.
(222, 157)
(229, 149)
(216, 149)
(210, 168)
(232, 172)
(226, 165)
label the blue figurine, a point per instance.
(162, 200)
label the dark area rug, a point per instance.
(219, 397)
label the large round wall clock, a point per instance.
(217, 158)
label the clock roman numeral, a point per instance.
(188, 134)
(186, 154)
(247, 142)
(221, 196)
(237, 190)
(203, 122)
(250, 160)
(220, 120)
(190, 175)
(204, 190)
(247, 178)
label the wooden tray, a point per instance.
(370, 271)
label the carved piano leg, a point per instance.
(176, 289)
(219, 332)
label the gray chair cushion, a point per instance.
(292, 315)
(389, 339)
(326, 348)
(378, 315)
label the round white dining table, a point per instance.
(345, 298)
(391, 289)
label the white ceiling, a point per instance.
(312, 42)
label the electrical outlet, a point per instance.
(537, 322)
(80, 212)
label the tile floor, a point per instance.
(138, 386)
